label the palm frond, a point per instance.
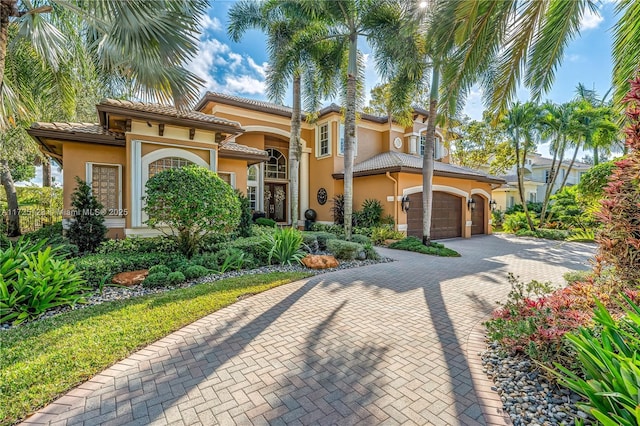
(626, 45)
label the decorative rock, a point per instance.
(317, 261)
(130, 278)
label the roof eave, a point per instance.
(210, 97)
(163, 118)
(413, 170)
(252, 158)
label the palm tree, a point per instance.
(340, 23)
(556, 122)
(520, 123)
(280, 26)
(136, 47)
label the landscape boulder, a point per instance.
(318, 261)
(130, 278)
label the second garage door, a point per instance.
(446, 219)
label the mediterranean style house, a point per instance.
(537, 176)
(246, 142)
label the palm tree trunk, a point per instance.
(46, 173)
(521, 159)
(13, 218)
(553, 173)
(295, 150)
(596, 156)
(349, 134)
(573, 160)
(427, 159)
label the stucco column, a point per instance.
(304, 184)
(413, 145)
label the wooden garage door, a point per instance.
(477, 216)
(446, 219)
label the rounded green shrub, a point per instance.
(158, 279)
(159, 268)
(176, 277)
(263, 221)
(310, 242)
(192, 202)
(360, 239)
(345, 250)
(195, 271)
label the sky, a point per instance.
(240, 68)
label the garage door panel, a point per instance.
(446, 217)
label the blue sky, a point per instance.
(239, 68)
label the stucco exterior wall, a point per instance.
(238, 168)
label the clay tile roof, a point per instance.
(84, 128)
(236, 147)
(398, 160)
(168, 110)
(244, 102)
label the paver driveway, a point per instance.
(388, 343)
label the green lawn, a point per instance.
(42, 360)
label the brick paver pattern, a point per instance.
(383, 344)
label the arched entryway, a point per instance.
(275, 186)
(446, 217)
(477, 215)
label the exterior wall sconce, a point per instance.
(471, 204)
(493, 204)
(405, 203)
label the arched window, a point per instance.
(166, 164)
(276, 167)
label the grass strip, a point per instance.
(43, 360)
(414, 244)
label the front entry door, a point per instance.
(275, 201)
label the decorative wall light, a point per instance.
(471, 204)
(405, 203)
(493, 204)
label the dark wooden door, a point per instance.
(477, 216)
(275, 201)
(446, 216)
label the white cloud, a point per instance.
(260, 69)
(210, 24)
(590, 20)
(236, 61)
(244, 84)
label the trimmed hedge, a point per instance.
(414, 244)
(96, 267)
(345, 250)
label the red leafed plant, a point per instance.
(619, 238)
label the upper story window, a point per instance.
(423, 142)
(341, 140)
(252, 173)
(276, 167)
(323, 140)
(167, 164)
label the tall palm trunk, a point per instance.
(295, 150)
(555, 168)
(573, 160)
(349, 134)
(521, 158)
(13, 219)
(427, 159)
(596, 156)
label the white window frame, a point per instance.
(319, 142)
(257, 184)
(437, 146)
(89, 180)
(340, 142)
(232, 177)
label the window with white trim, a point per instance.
(252, 186)
(323, 140)
(228, 177)
(167, 163)
(276, 166)
(532, 197)
(106, 186)
(341, 141)
(423, 141)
